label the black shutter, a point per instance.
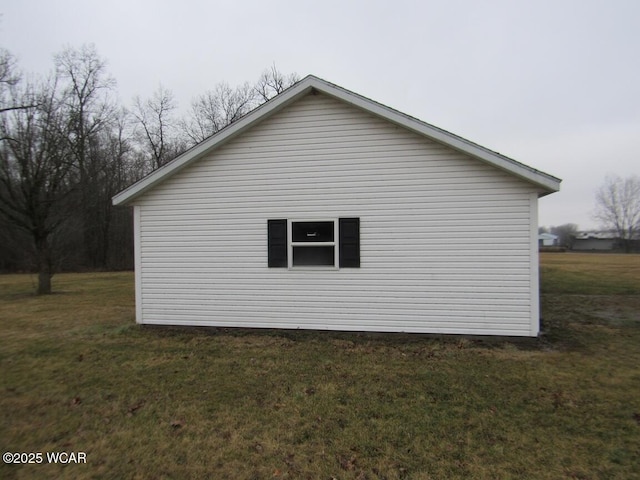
(349, 243)
(277, 243)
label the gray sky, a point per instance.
(553, 84)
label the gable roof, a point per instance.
(546, 183)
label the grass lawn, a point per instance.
(77, 375)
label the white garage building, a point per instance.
(323, 209)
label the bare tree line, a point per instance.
(618, 208)
(67, 146)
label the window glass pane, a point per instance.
(312, 231)
(313, 256)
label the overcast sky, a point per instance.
(553, 84)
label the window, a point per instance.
(314, 243)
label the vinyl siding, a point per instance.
(445, 239)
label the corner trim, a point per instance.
(137, 253)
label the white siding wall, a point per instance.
(446, 242)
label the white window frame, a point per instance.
(335, 244)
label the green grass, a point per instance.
(79, 375)
(590, 274)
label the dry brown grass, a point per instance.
(79, 375)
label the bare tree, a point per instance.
(157, 126)
(618, 207)
(566, 233)
(223, 105)
(217, 108)
(89, 111)
(272, 82)
(34, 173)
(9, 77)
(8, 74)
(122, 169)
(87, 93)
(118, 143)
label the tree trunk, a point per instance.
(45, 272)
(44, 282)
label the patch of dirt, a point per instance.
(612, 310)
(567, 318)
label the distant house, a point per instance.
(323, 209)
(547, 240)
(605, 240)
(595, 240)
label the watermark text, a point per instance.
(44, 457)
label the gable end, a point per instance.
(310, 84)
